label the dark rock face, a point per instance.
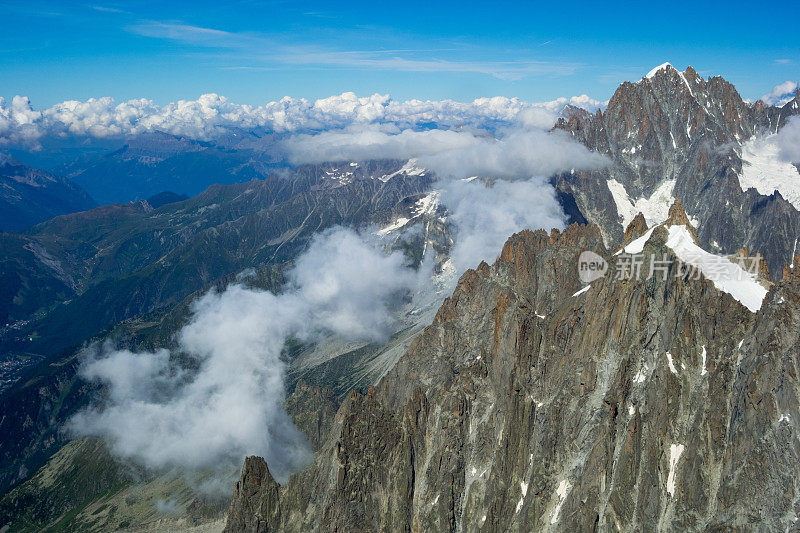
(675, 130)
(254, 508)
(312, 409)
(635, 229)
(650, 404)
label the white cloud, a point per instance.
(161, 414)
(788, 140)
(781, 93)
(212, 115)
(349, 286)
(518, 152)
(367, 143)
(485, 216)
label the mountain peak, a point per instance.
(677, 217)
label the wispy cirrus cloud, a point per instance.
(109, 9)
(257, 52)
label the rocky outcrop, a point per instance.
(635, 229)
(528, 404)
(678, 217)
(254, 508)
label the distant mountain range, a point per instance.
(29, 196)
(151, 163)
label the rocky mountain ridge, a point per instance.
(533, 404)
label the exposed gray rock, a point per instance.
(254, 508)
(312, 409)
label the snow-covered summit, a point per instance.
(663, 66)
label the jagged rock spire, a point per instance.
(635, 229)
(792, 271)
(678, 217)
(255, 505)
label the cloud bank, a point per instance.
(212, 115)
(219, 395)
(161, 413)
(519, 152)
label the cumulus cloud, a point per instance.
(227, 401)
(781, 93)
(212, 115)
(788, 140)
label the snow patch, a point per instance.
(637, 245)
(562, 491)
(427, 205)
(650, 75)
(655, 208)
(703, 368)
(726, 275)
(641, 375)
(397, 224)
(409, 169)
(524, 487)
(675, 451)
(586, 288)
(671, 364)
(765, 172)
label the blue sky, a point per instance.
(254, 52)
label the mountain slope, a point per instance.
(29, 196)
(632, 405)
